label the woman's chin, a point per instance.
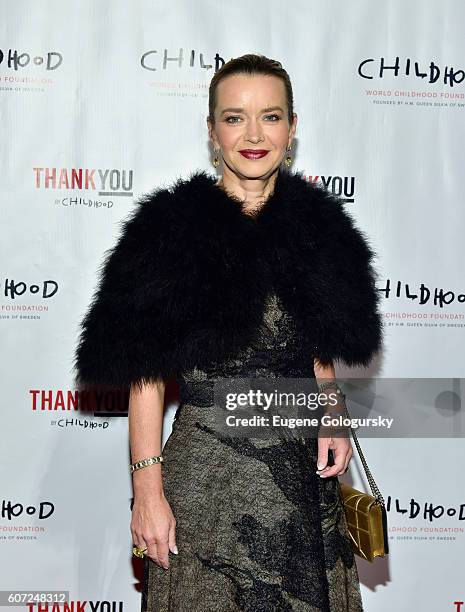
(254, 169)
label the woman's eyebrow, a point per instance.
(241, 110)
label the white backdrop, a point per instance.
(102, 101)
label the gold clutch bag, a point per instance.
(366, 515)
(366, 521)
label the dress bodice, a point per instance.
(275, 352)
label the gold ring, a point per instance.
(138, 552)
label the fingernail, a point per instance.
(320, 465)
(175, 550)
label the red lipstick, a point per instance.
(254, 153)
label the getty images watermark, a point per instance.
(375, 407)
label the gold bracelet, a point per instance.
(138, 465)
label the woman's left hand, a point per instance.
(342, 451)
(340, 444)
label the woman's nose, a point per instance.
(254, 132)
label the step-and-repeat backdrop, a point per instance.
(102, 101)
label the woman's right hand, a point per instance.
(153, 526)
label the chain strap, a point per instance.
(371, 481)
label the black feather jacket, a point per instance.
(185, 283)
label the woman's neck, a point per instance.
(253, 192)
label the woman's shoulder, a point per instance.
(326, 208)
(313, 207)
(167, 206)
(180, 190)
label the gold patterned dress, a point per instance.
(257, 529)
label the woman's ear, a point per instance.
(293, 127)
(211, 134)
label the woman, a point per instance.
(260, 274)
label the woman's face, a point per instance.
(251, 114)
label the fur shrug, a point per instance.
(185, 283)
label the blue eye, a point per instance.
(236, 119)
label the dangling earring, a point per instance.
(216, 161)
(288, 158)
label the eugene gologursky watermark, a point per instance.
(375, 407)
